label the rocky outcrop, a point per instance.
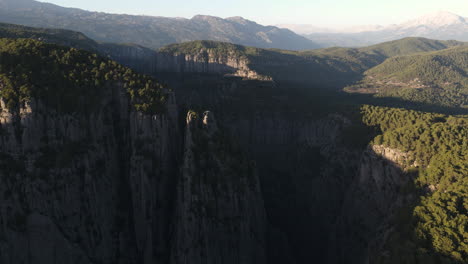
(105, 187)
(371, 202)
(112, 185)
(304, 172)
(204, 61)
(404, 160)
(220, 215)
(86, 187)
(208, 61)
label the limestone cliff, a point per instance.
(113, 185)
(220, 215)
(80, 188)
(207, 61)
(104, 187)
(304, 172)
(202, 61)
(373, 199)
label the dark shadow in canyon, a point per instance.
(318, 208)
(324, 198)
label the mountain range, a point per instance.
(329, 68)
(440, 25)
(148, 31)
(155, 31)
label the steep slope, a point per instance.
(434, 78)
(313, 183)
(416, 174)
(79, 138)
(151, 32)
(221, 217)
(89, 168)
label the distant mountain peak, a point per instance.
(437, 19)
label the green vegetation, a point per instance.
(68, 79)
(438, 78)
(331, 67)
(409, 46)
(360, 59)
(436, 230)
(437, 67)
(56, 36)
(433, 228)
(325, 68)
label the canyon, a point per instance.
(240, 166)
(117, 185)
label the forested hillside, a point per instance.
(432, 228)
(68, 78)
(433, 78)
(332, 67)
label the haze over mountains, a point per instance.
(155, 32)
(440, 25)
(151, 32)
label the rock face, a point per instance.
(112, 185)
(207, 61)
(86, 188)
(373, 199)
(203, 61)
(220, 216)
(324, 201)
(104, 187)
(304, 168)
(304, 173)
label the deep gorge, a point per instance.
(238, 167)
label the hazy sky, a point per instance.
(317, 12)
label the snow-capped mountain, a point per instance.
(436, 20)
(440, 25)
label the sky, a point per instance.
(323, 13)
